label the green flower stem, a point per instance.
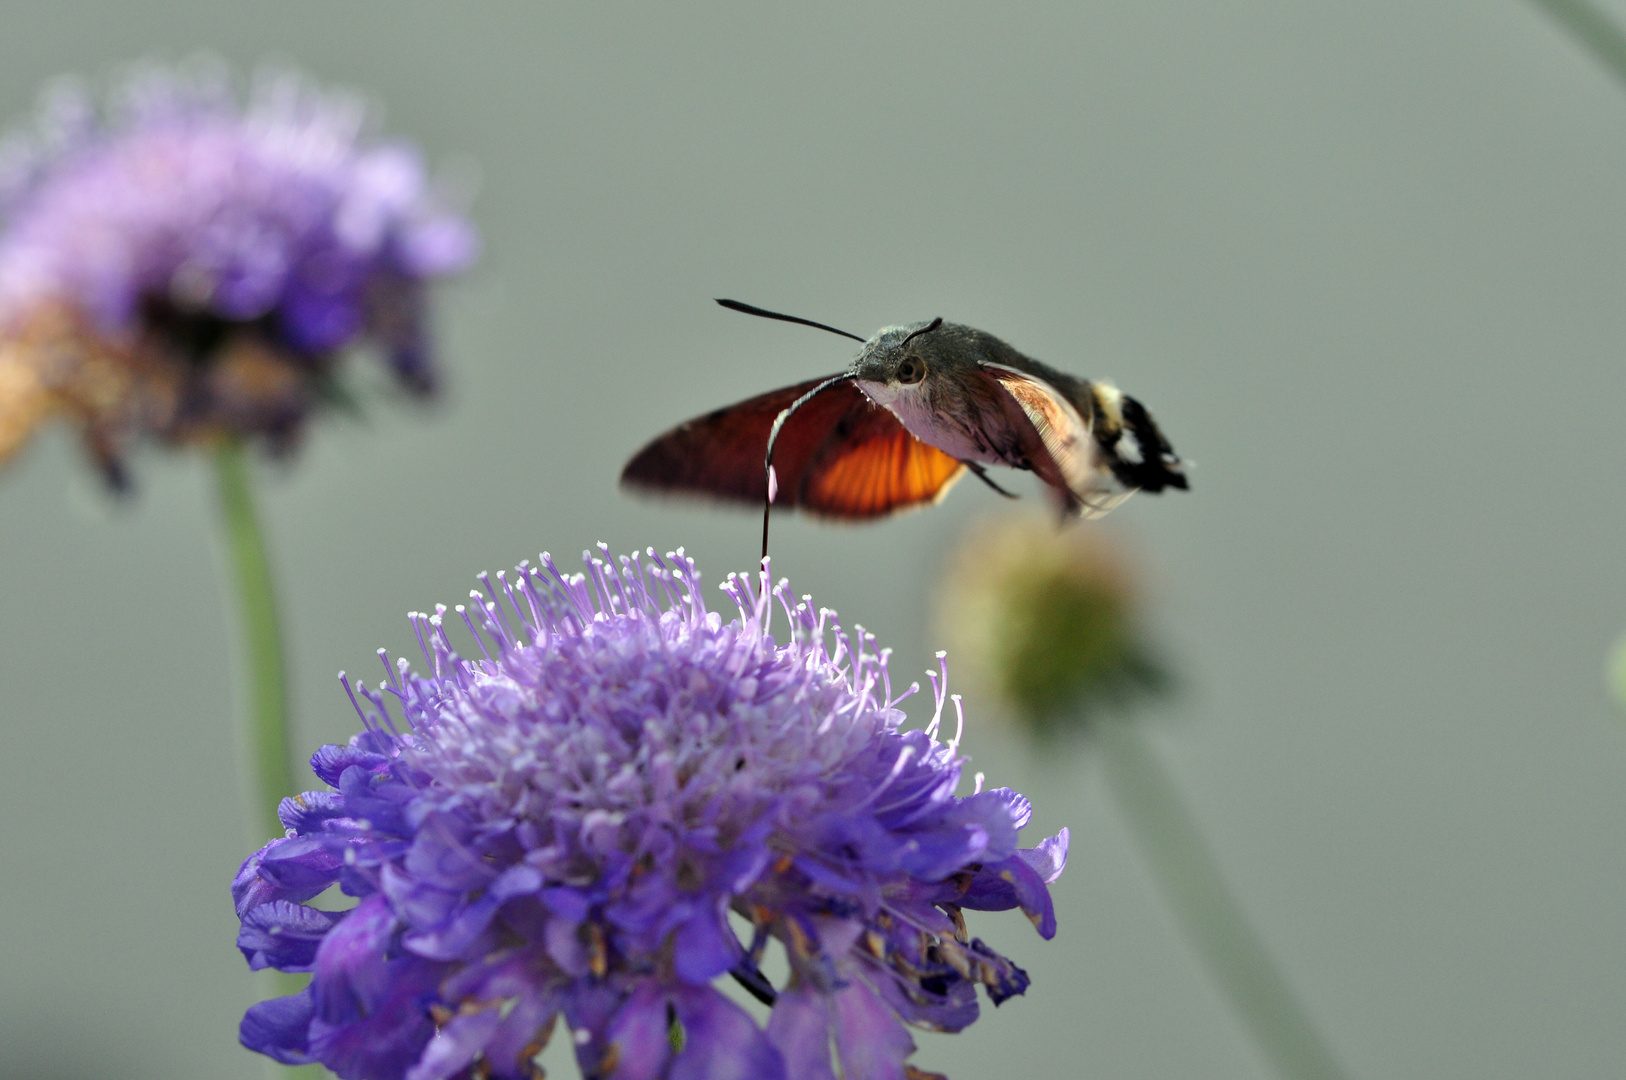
(1591, 28)
(1191, 884)
(265, 738)
(265, 715)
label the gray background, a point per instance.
(1363, 260)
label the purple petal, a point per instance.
(921, 913)
(391, 1038)
(283, 935)
(932, 856)
(1015, 803)
(924, 788)
(636, 1042)
(526, 992)
(1013, 883)
(330, 762)
(589, 1008)
(856, 841)
(520, 1036)
(869, 1039)
(374, 797)
(288, 869)
(314, 321)
(279, 1028)
(833, 882)
(721, 1041)
(441, 245)
(419, 903)
(464, 934)
(1049, 859)
(572, 904)
(953, 1010)
(455, 1045)
(516, 881)
(746, 861)
(306, 813)
(704, 947)
(248, 889)
(799, 1027)
(351, 969)
(993, 811)
(300, 865)
(383, 184)
(440, 854)
(563, 942)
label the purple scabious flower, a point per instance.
(182, 266)
(565, 826)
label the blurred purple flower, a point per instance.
(565, 825)
(183, 266)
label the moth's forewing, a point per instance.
(839, 456)
(720, 454)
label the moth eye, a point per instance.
(912, 370)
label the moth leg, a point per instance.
(982, 474)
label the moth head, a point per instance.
(899, 355)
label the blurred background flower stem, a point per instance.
(263, 707)
(1191, 884)
(1050, 622)
(264, 710)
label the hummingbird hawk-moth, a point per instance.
(920, 405)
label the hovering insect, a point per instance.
(921, 405)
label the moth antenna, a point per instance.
(735, 305)
(928, 328)
(773, 437)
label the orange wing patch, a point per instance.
(891, 471)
